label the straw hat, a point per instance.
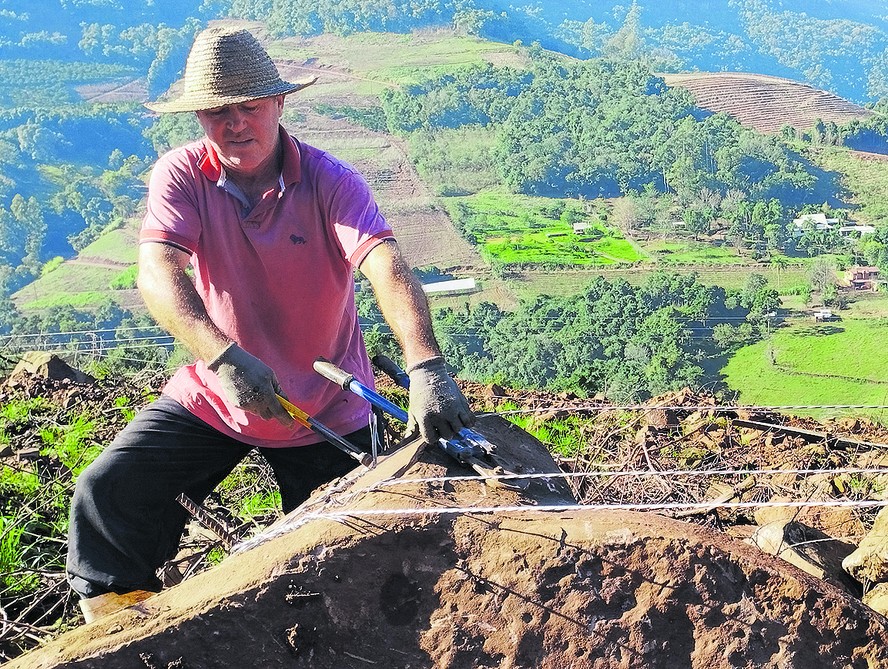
(227, 66)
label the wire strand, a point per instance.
(875, 471)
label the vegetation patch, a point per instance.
(77, 300)
(457, 161)
(126, 279)
(520, 230)
(689, 252)
(866, 180)
(21, 80)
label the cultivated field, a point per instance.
(522, 230)
(766, 103)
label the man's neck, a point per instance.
(255, 184)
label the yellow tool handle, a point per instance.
(295, 411)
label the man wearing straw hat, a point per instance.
(273, 230)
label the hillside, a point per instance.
(765, 103)
(680, 506)
(838, 46)
(458, 589)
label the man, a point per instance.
(273, 230)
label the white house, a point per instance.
(817, 221)
(856, 229)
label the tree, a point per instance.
(627, 43)
(823, 274)
(779, 263)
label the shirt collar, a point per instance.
(291, 172)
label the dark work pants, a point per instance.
(125, 520)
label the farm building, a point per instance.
(856, 230)
(815, 221)
(452, 287)
(862, 277)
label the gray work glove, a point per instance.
(437, 407)
(249, 383)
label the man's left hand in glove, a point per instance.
(437, 407)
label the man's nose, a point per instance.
(236, 120)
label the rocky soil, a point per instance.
(407, 566)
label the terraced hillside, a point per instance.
(766, 103)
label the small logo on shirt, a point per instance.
(296, 239)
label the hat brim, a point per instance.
(193, 102)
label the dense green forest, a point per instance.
(625, 342)
(604, 128)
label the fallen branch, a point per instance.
(746, 484)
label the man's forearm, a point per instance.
(437, 407)
(172, 300)
(402, 302)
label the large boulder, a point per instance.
(408, 566)
(47, 365)
(869, 563)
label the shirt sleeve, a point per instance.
(355, 218)
(172, 214)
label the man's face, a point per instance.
(245, 135)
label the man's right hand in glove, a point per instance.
(249, 383)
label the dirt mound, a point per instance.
(407, 566)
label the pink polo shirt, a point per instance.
(277, 279)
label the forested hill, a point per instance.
(839, 46)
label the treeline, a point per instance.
(626, 342)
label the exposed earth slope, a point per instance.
(766, 103)
(377, 573)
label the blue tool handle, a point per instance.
(459, 450)
(456, 449)
(347, 381)
(377, 400)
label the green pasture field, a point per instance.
(82, 300)
(118, 245)
(865, 180)
(689, 252)
(379, 60)
(83, 284)
(519, 229)
(839, 363)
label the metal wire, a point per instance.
(560, 508)
(875, 471)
